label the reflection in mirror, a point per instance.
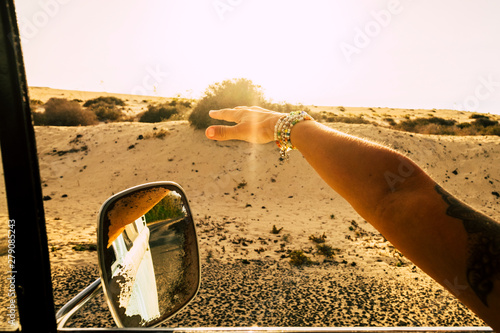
(148, 254)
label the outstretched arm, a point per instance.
(456, 245)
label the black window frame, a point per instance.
(22, 183)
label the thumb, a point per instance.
(220, 133)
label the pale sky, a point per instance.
(411, 54)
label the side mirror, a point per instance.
(148, 254)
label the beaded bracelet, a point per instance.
(283, 129)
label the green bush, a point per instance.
(61, 112)
(105, 99)
(168, 208)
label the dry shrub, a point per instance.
(318, 239)
(482, 125)
(158, 113)
(298, 258)
(106, 100)
(225, 94)
(284, 107)
(436, 129)
(176, 109)
(390, 121)
(231, 93)
(107, 112)
(327, 117)
(161, 134)
(61, 112)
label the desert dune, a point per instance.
(237, 192)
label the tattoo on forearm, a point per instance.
(483, 233)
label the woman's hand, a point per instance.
(253, 124)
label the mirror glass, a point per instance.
(148, 254)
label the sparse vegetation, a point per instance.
(332, 118)
(298, 258)
(61, 112)
(478, 116)
(176, 109)
(318, 239)
(482, 125)
(484, 122)
(276, 230)
(110, 100)
(159, 134)
(326, 250)
(210, 255)
(158, 113)
(107, 112)
(284, 107)
(390, 121)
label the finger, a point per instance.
(233, 115)
(222, 133)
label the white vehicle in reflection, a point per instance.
(148, 256)
(134, 263)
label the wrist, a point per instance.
(283, 130)
(271, 124)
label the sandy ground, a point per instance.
(238, 192)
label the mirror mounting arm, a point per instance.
(77, 302)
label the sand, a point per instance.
(238, 192)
